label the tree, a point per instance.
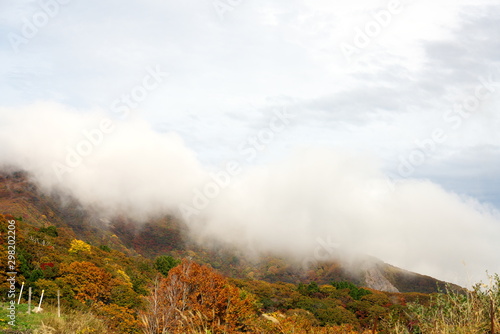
(355, 292)
(310, 289)
(50, 230)
(164, 263)
(87, 281)
(78, 246)
(195, 298)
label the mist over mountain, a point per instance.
(250, 166)
(315, 197)
(165, 236)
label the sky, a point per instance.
(374, 119)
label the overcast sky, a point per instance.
(413, 85)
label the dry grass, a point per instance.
(465, 312)
(70, 322)
(476, 311)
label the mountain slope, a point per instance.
(169, 236)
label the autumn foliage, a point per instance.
(106, 287)
(78, 246)
(87, 281)
(195, 298)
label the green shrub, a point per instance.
(50, 230)
(355, 292)
(164, 263)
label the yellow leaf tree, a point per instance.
(78, 246)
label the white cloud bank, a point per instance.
(316, 194)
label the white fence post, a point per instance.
(39, 309)
(29, 300)
(20, 294)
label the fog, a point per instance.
(315, 199)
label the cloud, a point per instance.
(285, 206)
(226, 77)
(130, 169)
(330, 195)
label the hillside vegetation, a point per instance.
(149, 278)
